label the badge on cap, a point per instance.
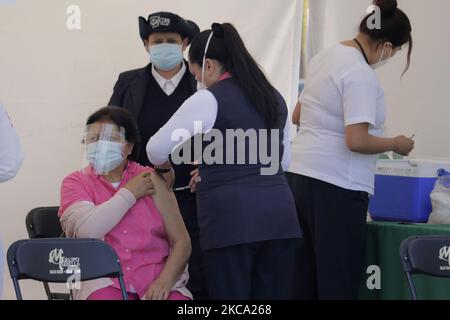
(157, 21)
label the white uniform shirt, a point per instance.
(341, 90)
(1, 269)
(11, 155)
(11, 158)
(169, 86)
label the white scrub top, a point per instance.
(11, 155)
(1, 269)
(11, 158)
(341, 90)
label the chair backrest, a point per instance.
(426, 255)
(43, 222)
(57, 259)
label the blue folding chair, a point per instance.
(429, 255)
(43, 222)
(61, 260)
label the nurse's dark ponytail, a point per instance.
(227, 47)
(395, 26)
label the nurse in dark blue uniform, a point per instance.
(249, 231)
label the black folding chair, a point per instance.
(61, 260)
(43, 222)
(427, 255)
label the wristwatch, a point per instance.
(163, 170)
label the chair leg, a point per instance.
(123, 288)
(47, 291)
(412, 288)
(17, 289)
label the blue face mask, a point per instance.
(104, 156)
(166, 56)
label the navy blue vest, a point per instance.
(236, 204)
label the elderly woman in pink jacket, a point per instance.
(131, 208)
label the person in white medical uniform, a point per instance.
(11, 157)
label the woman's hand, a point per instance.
(403, 145)
(158, 290)
(194, 180)
(141, 185)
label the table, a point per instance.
(382, 249)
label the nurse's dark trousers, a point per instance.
(331, 255)
(254, 271)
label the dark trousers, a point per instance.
(188, 208)
(331, 254)
(254, 271)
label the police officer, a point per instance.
(153, 94)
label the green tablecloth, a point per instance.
(383, 243)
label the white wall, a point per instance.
(51, 79)
(419, 102)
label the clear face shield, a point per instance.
(105, 146)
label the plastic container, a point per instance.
(402, 189)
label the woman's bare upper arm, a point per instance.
(167, 205)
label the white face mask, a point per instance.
(166, 56)
(104, 156)
(382, 62)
